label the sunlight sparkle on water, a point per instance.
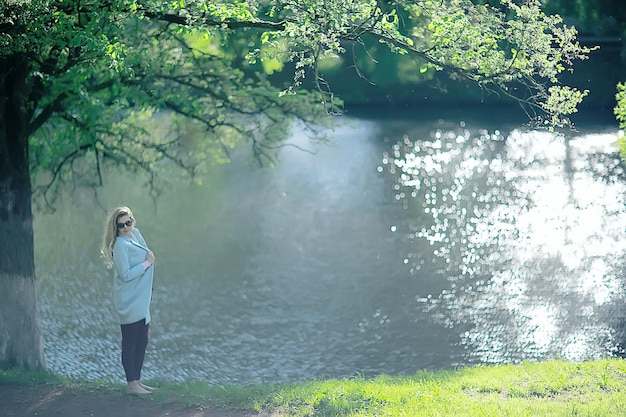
(530, 217)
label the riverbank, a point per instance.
(552, 388)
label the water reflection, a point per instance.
(443, 244)
(530, 238)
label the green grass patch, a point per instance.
(23, 377)
(547, 389)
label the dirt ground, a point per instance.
(50, 401)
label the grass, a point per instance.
(547, 389)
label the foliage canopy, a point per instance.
(97, 74)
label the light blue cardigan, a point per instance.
(132, 287)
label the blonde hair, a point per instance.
(110, 233)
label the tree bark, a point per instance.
(21, 340)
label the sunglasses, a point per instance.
(127, 223)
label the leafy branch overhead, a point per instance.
(138, 82)
(513, 48)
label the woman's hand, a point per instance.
(150, 257)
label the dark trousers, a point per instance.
(134, 343)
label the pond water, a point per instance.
(407, 243)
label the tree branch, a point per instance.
(228, 24)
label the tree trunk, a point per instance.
(21, 341)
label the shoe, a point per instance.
(134, 388)
(146, 387)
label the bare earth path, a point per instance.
(50, 401)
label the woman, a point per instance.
(125, 250)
